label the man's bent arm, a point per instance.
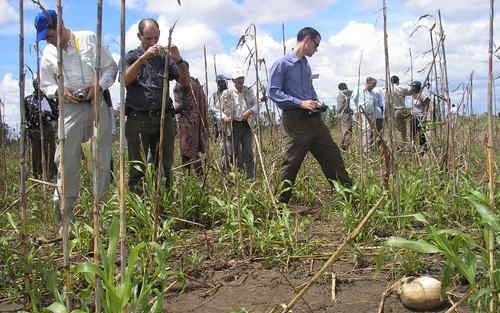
(133, 70)
(276, 93)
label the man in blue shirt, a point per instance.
(290, 86)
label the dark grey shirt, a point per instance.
(145, 93)
(343, 102)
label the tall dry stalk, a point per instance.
(225, 164)
(164, 99)
(361, 154)
(437, 99)
(3, 137)
(491, 163)
(123, 184)
(257, 82)
(283, 37)
(23, 205)
(389, 113)
(62, 174)
(471, 112)
(98, 105)
(40, 117)
(449, 132)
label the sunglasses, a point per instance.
(316, 43)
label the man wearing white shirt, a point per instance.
(371, 103)
(239, 110)
(79, 63)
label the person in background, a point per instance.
(399, 94)
(370, 102)
(418, 115)
(345, 112)
(239, 110)
(35, 104)
(192, 124)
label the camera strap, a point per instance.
(78, 50)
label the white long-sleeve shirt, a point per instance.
(372, 103)
(234, 103)
(79, 61)
(399, 93)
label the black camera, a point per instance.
(81, 94)
(320, 109)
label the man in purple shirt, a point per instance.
(290, 86)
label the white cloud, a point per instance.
(231, 15)
(457, 10)
(9, 91)
(7, 12)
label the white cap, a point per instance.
(238, 73)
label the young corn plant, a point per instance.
(139, 290)
(464, 254)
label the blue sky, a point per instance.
(347, 27)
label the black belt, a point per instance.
(240, 123)
(150, 113)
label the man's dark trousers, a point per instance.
(240, 145)
(142, 131)
(309, 133)
(49, 146)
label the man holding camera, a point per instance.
(290, 86)
(144, 81)
(79, 63)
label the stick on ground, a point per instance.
(340, 250)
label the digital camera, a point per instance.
(81, 94)
(320, 109)
(163, 50)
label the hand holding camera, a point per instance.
(309, 104)
(80, 95)
(318, 110)
(71, 96)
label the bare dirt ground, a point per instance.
(257, 286)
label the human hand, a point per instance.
(91, 92)
(174, 53)
(68, 96)
(151, 52)
(226, 119)
(309, 104)
(246, 115)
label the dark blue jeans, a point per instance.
(240, 147)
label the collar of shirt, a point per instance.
(239, 104)
(292, 57)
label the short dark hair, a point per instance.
(342, 86)
(394, 79)
(307, 31)
(142, 24)
(370, 79)
(52, 22)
